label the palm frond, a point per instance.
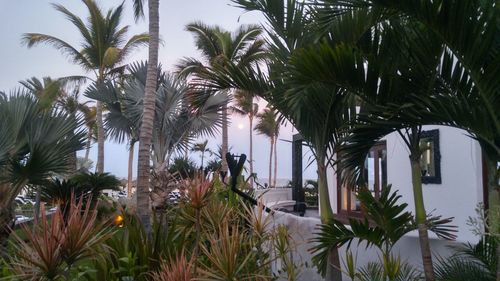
(33, 39)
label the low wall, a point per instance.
(302, 230)
(274, 194)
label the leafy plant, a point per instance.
(179, 269)
(385, 222)
(34, 145)
(470, 262)
(133, 255)
(186, 168)
(81, 186)
(55, 246)
(377, 272)
(229, 256)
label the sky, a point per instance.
(19, 63)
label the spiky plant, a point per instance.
(54, 246)
(180, 269)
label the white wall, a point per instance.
(461, 174)
(302, 230)
(273, 195)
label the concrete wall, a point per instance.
(302, 230)
(271, 195)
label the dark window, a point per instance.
(430, 162)
(374, 177)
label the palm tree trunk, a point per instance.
(420, 214)
(250, 118)
(275, 161)
(146, 130)
(100, 139)
(72, 159)
(271, 162)
(87, 146)
(225, 139)
(130, 163)
(333, 272)
(38, 199)
(326, 212)
(72, 164)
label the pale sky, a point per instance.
(19, 63)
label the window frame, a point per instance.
(345, 214)
(434, 135)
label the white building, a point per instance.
(453, 188)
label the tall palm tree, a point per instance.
(201, 147)
(35, 143)
(245, 105)
(148, 114)
(218, 47)
(268, 126)
(104, 50)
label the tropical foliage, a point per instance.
(105, 50)
(35, 144)
(86, 187)
(385, 222)
(180, 117)
(219, 47)
(470, 262)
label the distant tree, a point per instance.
(244, 105)
(268, 126)
(186, 168)
(201, 147)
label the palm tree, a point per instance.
(245, 105)
(288, 30)
(89, 113)
(35, 143)
(201, 147)
(268, 125)
(148, 114)
(179, 117)
(56, 93)
(448, 99)
(118, 123)
(104, 51)
(218, 47)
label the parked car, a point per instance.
(21, 219)
(19, 200)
